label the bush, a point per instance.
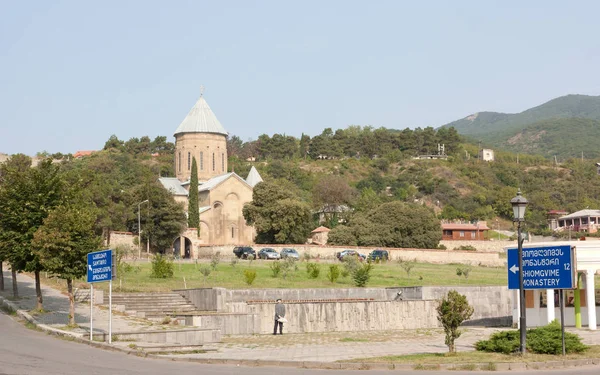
(234, 262)
(351, 263)
(541, 340)
(205, 270)
(442, 247)
(362, 274)
(275, 268)
(463, 271)
(288, 266)
(407, 266)
(214, 260)
(249, 276)
(162, 267)
(313, 270)
(466, 247)
(452, 310)
(334, 273)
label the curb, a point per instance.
(313, 365)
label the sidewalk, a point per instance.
(293, 348)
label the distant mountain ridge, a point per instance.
(565, 126)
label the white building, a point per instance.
(486, 154)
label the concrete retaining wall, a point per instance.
(228, 324)
(350, 316)
(206, 299)
(496, 246)
(180, 336)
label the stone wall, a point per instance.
(349, 316)
(124, 239)
(490, 259)
(496, 246)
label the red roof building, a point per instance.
(465, 232)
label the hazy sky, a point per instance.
(74, 72)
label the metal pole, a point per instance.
(562, 320)
(92, 312)
(139, 234)
(522, 308)
(110, 312)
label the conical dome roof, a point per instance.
(253, 177)
(201, 119)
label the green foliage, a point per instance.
(278, 214)
(333, 273)
(275, 268)
(313, 270)
(205, 270)
(452, 310)
(234, 262)
(362, 274)
(463, 270)
(193, 207)
(249, 276)
(288, 266)
(351, 263)
(162, 267)
(541, 340)
(215, 259)
(407, 265)
(466, 247)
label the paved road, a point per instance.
(27, 352)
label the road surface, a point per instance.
(28, 352)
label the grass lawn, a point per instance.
(477, 357)
(383, 275)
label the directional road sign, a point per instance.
(99, 266)
(546, 267)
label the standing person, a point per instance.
(279, 317)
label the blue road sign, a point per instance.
(99, 266)
(546, 267)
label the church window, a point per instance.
(213, 161)
(179, 162)
(232, 232)
(223, 162)
(201, 160)
(189, 160)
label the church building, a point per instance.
(222, 194)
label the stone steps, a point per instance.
(152, 305)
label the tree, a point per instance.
(277, 214)
(452, 310)
(26, 198)
(193, 208)
(330, 194)
(63, 242)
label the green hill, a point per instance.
(540, 130)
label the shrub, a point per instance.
(313, 270)
(214, 260)
(162, 267)
(288, 266)
(463, 271)
(234, 262)
(442, 247)
(334, 273)
(275, 268)
(541, 340)
(407, 266)
(452, 310)
(362, 274)
(466, 247)
(306, 257)
(350, 265)
(249, 276)
(205, 271)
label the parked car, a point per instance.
(379, 254)
(342, 254)
(268, 253)
(287, 252)
(244, 252)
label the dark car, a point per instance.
(287, 252)
(268, 253)
(350, 253)
(379, 254)
(244, 252)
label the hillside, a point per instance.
(549, 122)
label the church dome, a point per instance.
(200, 119)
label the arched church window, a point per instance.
(223, 162)
(201, 160)
(213, 161)
(179, 162)
(232, 232)
(189, 160)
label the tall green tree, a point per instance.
(452, 310)
(193, 207)
(278, 214)
(62, 243)
(26, 198)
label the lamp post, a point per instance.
(518, 204)
(140, 230)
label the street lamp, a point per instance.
(140, 230)
(518, 204)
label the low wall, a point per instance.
(350, 316)
(124, 239)
(228, 324)
(206, 299)
(180, 336)
(490, 259)
(494, 246)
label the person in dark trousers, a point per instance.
(279, 314)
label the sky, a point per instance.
(73, 73)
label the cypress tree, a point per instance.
(193, 208)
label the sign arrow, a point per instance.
(89, 267)
(514, 269)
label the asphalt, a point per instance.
(319, 350)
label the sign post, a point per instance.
(100, 268)
(545, 267)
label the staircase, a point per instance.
(152, 305)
